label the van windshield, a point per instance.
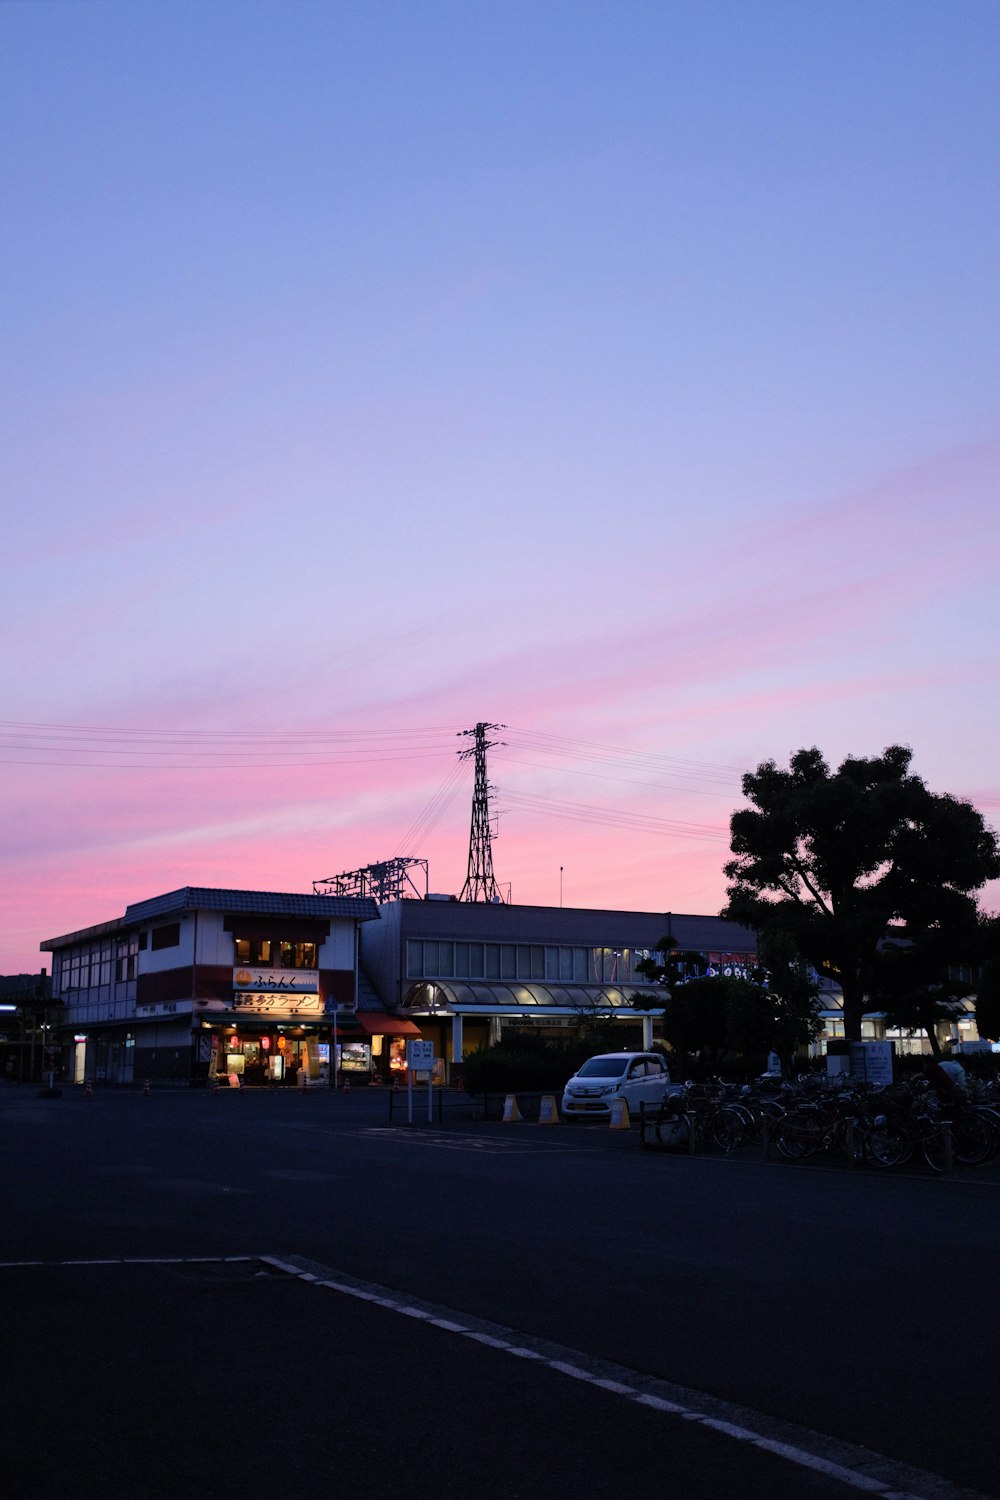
(603, 1067)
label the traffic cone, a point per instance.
(510, 1110)
(619, 1115)
(548, 1114)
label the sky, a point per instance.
(624, 375)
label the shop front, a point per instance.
(276, 1033)
(285, 1056)
(383, 1047)
(284, 1039)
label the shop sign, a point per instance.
(420, 1056)
(284, 981)
(164, 1008)
(277, 1003)
(871, 1062)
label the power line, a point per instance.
(583, 812)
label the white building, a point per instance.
(201, 983)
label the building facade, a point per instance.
(465, 971)
(202, 984)
(28, 1019)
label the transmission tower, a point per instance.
(480, 883)
(386, 881)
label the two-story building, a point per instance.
(199, 984)
(465, 971)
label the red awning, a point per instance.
(376, 1023)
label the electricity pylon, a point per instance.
(480, 883)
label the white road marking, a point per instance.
(847, 1474)
(448, 1142)
(932, 1487)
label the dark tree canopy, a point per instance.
(773, 1009)
(988, 1000)
(836, 859)
(918, 983)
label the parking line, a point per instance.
(857, 1468)
(854, 1467)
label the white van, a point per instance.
(636, 1077)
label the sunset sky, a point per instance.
(624, 374)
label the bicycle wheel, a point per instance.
(887, 1146)
(971, 1139)
(992, 1117)
(673, 1132)
(729, 1128)
(796, 1139)
(935, 1150)
(773, 1114)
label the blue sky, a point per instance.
(626, 373)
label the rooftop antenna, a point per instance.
(480, 882)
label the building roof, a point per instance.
(589, 927)
(207, 898)
(259, 903)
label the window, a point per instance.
(253, 950)
(414, 959)
(297, 955)
(126, 957)
(165, 937)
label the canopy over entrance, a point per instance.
(377, 1023)
(480, 998)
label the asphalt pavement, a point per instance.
(291, 1292)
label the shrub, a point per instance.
(523, 1063)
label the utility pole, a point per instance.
(480, 883)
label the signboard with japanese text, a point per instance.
(269, 1003)
(420, 1056)
(284, 981)
(871, 1062)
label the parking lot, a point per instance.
(803, 1300)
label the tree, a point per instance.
(692, 1020)
(773, 1009)
(780, 1012)
(835, 859)
(696, 1019)
(988, 1001)
(918, 984)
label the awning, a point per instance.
(489, 998)
(377, 1023)
(236, 1021)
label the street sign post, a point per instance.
(419, 1059)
